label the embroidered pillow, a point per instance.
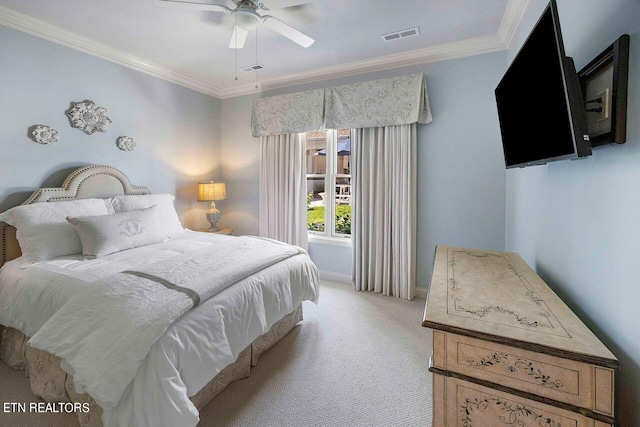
(166, 211)
(42, 229)
(105, 234)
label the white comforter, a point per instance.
(193, 349)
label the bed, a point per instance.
(209, 345)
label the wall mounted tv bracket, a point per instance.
(604, 84)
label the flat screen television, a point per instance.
(540, 106)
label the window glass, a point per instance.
(316, 179)
(329, 183)
(342, 224)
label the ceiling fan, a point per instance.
(246, 18)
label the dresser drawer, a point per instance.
(568, 381)
(464, 404)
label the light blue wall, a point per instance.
(461, 177)
(240, 166)
(578, 222)
(177, 130)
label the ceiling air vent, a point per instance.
(410, 32)
(252, 68)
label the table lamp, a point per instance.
(210, 192)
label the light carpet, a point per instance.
(357, 359)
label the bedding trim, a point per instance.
(164, 282)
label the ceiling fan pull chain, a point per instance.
(256, 58)
(235, 30)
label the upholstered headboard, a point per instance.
(96, 181)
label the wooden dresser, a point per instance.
(507, 351)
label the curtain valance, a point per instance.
(398, 100)
(385, 102)
(290, 113)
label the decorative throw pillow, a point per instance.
(105, 234)
(43, 231)
(166, 211)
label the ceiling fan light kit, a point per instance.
(246, 18)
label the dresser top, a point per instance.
(497, 296)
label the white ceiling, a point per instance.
(190, 47)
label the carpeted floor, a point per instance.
(357, 359)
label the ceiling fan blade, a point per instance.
(281, 4)
(287, 30)
(193, 6)
(238, 38)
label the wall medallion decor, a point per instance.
(88, 117)
(44, 134)
(126, 143)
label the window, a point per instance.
(329, 183)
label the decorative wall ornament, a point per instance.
(44, 134)
(126, 143)
(88, 117)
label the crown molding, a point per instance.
(464, 48)
(511, 20)
(476, 46)
(42, 29)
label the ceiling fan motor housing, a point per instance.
(245, 16)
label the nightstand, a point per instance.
(223, 230)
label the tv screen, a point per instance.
(540, 106)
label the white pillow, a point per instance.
(166, 211)
(105, 234)
(42, 228)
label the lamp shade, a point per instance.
(210, 191)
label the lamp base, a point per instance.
(213, 215)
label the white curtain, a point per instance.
(384, 209)
(283, 183)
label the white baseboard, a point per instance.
(335, 277)
(346, 278)
(421, 293)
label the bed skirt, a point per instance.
(52, 384)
